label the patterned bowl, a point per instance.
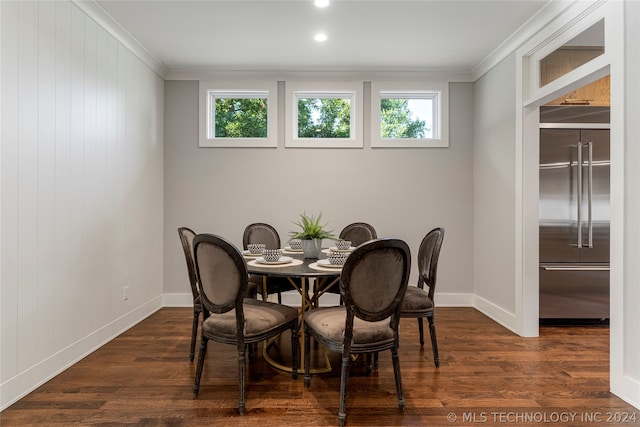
(271, 255)
(256, 248)
(337, 258)
(343, 244)
(295, 244)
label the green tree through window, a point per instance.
(396, 120)
(324, 118)
(241, 117)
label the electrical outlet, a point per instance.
(125, 293)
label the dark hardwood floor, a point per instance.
(488, 376)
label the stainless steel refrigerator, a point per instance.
(574, 212)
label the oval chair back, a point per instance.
(260, 232)
(186, 239)
(374, 278)
(358, 233)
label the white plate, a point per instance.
(282, 260)
(326, 263)
(333, 248)
(290, 249)
(249, 254)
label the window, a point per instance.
(240, 114)
(324, 115)
(572, 51)
(581, 49)
(409, 115)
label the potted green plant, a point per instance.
(311, 233)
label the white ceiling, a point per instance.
(382, 35)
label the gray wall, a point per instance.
(403, 192)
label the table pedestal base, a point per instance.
(306, 302)
(325, 363)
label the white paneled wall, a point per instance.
(82, 189)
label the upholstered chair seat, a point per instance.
(260, 318)
(416, 300)
(330, 323)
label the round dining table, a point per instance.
(302, 273)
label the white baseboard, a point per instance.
(627, 389)
(177, 300)
(25, 382)
(453, 300)
(292, 298)
(496, 313)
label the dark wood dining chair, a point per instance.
(260, 232)
(186, 238)
(229, 317)
(357, 233)
(373, 283)
(419, 302)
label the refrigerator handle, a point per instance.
(579, 194)
(575, 267)
(590, 193)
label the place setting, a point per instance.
(273, 258)
(294, 247)
(334, 261)
(254, 250)
(341, 246)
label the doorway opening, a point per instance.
(574, 206)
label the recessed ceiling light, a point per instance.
(320, 37)
(322, 3)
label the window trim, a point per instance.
(352, 90)
(239, 89)
(437, 90)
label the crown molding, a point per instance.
(538, 21)
(106, 21)
(318, 75)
